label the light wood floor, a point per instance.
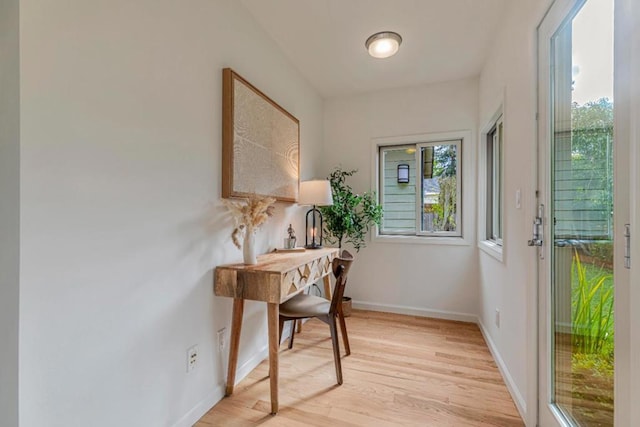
(402, 371)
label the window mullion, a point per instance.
(459, 187)
(419, 190)
(495, 209)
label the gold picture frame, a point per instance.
(260, 143)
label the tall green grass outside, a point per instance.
(592, 308)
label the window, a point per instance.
(430, 203)
(494, 190)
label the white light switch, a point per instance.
(518, 199)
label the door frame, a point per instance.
(626, 189)
(630, 46)
(547, 414)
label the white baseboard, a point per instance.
(251, 364)
(518, 399)
(216, 396)
(415, 311)
(201, 408)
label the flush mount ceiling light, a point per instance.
(383, 44)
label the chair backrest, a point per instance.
(340, 267)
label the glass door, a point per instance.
(576, 179)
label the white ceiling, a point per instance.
(443, 40)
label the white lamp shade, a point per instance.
(316, 192)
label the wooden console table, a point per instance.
(277, 277)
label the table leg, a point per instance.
(273, 310)
(236, 326)
(327, 286)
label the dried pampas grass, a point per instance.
(249, 214)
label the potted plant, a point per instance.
(349, 218)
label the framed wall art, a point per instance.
(260, 143)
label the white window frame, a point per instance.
(497, 184)
(490, 244)
(466, 173)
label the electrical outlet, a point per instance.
(222, 339)
(497, 318)
(192, 358)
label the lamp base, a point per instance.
(313, 246)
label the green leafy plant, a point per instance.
(592, 306)
(351, 215)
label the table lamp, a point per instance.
(317, 193)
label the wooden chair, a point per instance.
(304, 306)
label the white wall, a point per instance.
(9, 211)
(437, 280)
(510, 286)
(121, 220)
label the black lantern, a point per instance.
(403, 174)
(316, 193)
(313, 239)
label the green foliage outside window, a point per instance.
(446, 207)
(592, 158)
(444, 169)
